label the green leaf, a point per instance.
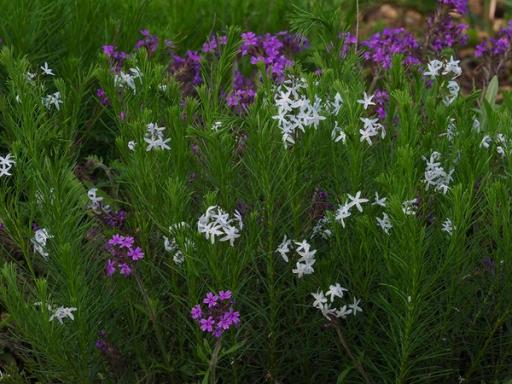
(492, 91)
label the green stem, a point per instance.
(213, 361)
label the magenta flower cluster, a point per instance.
(124, 255)
(117, 58)
(216, 314)
(444, 31)
(496, 46)
(381, 47)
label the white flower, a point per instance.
(6, 163)
(337, 134)
(179, 257)
(379, 201)
(500, 151)
(384, 223)
(336, 290)
(327, 311)
(452, 66)
(131, 145)
(486, 142)
(284, 248)
(53, 99)
(409, 207)
(30, 76)
(336, 104)
(127, 80)
(448, 227)
(162, 87)
(366, 101)
(343, 312)
(41, 236)
(321, 229)
(320, 299)
(61, 313)
(371, 128)
(453, 90)
(304, 268)
(216, 125)
(46, 70)
(355, 306)
(476, 125)
(356, 201)
(95, 200)
(433, 68)
(342, 213)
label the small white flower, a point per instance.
(46, 70)
(435, 175)
(342, 213)
(95, 200)
(500, 151)
(336, 290)
(216, 126)
(320, 299)
(131, 145)
(343, 312)
(155, 137)
(452, 66)
(61, 313)
(355, 306)
(486, 142)
(41, 236)
(337, 134)
(53, 99)
(433, 68)
(6, 163)
(409, 207)
(366, 101)
(216, 222)
(476, 125)
(356, 201)
(379, 201)
(30, 76)
(448, 227)
(284, 248)
(384, 223)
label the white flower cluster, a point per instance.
(371, 126)
(216, 222)
(503, 145)
(324, 303)
(127, 80)
(59, 313)
(338, 134)
(52, 99)
(154, 138)
(452, 70)
(304, 265)
(451, 130)
(296, 112)
(41, 236)
(171, 243)
(6, 163)
(344, 210)
(435, 175)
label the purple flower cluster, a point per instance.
(115, 219)
(242, 94)
(187, 70)
(117, 58)
(217, 315)
(102, 96)
(382, 46)
(148, 41)
(496, 46)
(348, 41)
(214, 43)
(124, 254)
(443, 29)
(275, 51)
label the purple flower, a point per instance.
(125, 269)
(224, 295)
(125, 242)
(196, 312)
(213, 45)
(110, 268)
(459, 6)
(234, 317)
(100, 93)
(149, 42)
(207, 324)
(117, 58)
(211, 299)
(136, 254)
